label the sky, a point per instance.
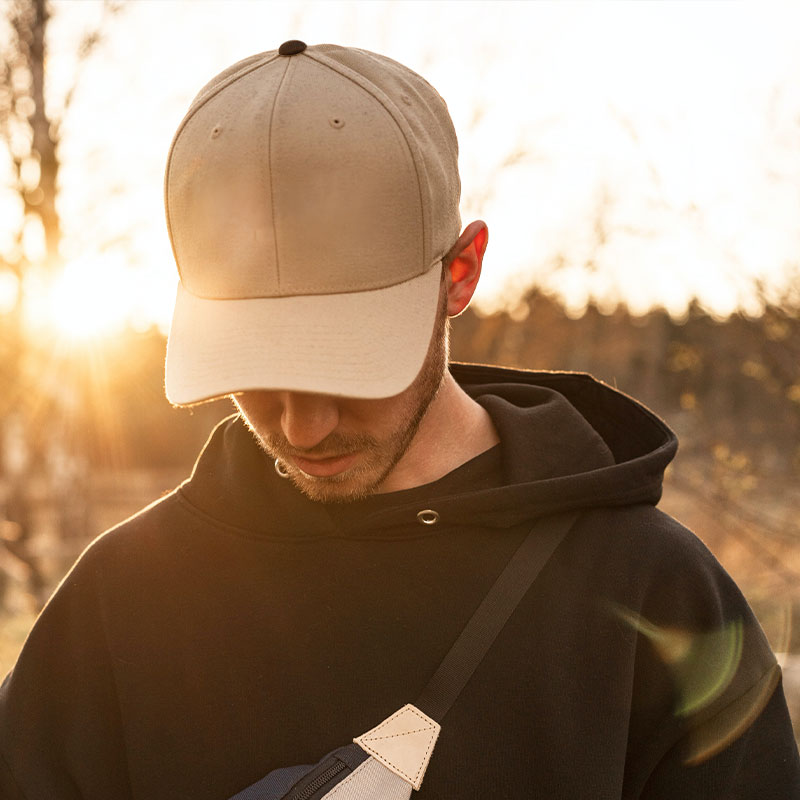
(644, 153)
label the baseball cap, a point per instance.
(311, 193)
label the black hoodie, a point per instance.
(235, 627)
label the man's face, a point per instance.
(339, 449)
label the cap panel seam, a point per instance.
(271, 173)
(193, 109)
(427, 212)
(394, 113)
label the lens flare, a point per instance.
(703, 665)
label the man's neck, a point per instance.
(454, 430)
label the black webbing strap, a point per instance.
(492, 614)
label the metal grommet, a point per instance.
(336, 122)
(280, 468)
(428, 517)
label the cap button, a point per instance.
(292, 47)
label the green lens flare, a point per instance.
(702, 664)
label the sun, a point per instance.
(85, 300)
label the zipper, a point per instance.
(307, 792)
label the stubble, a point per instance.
(377, 457)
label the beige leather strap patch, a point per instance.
(403, 743)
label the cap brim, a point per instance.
(361, 344)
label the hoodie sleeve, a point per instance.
(718, 725)
(760, 763)
(60, 731)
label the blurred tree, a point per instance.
(731, 390)
(32, 403)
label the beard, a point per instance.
(377, 457)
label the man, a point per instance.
(339, 531)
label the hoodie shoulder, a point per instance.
(659, 581)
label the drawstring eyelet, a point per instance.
(280, 468)
(428, 517)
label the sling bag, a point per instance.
(388, 761)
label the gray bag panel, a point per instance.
(369, 781)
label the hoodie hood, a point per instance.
(568, 441)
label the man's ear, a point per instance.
(464, 270)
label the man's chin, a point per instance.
(336, 489)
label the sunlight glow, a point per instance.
(9, 290)
(636, 153)
(86, 299)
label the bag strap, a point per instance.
(492, 614)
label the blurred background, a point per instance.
(639, 169)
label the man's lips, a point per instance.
(324, 467)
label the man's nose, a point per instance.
(306, 419)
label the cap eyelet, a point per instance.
(280, 468)
(428, 517)
(217, 130)
(406, 99)
(336, 122)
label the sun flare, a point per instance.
(86, 299)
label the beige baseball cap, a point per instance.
(311, 194)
